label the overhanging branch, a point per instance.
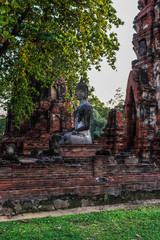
(15, 30)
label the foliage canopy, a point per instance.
(118, 101)
(46, 39)
(98, 124)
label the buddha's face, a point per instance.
(80, 94)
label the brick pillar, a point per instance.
(113, 137)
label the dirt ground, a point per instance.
(78, 210)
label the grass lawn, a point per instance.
(142, 222)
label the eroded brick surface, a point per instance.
(142, 103)
(113, 137)
(51, 185)
(50, 116)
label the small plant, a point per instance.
(2, 126)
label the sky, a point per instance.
(107, 80)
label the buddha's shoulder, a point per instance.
(87, 105)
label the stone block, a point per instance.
(8, 212)
(102, 180)
(131, 160)
(60, 204)
(113, 191)
(17, 207)
(87, 150)
(86, 203)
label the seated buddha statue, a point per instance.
(82, 119)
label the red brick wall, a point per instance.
(86, 176)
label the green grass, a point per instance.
(143, 222)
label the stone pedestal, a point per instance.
(87, 150)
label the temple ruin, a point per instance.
(142, 103)
(50, 116)
(123, 167)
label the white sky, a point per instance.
(107, 80)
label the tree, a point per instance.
(2, 125)
(100, 115)
(97, 126)
(47, 39)
(98, 105)
(118, 101)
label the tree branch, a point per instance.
(15, 30)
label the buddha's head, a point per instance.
(82, 90)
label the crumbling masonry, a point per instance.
(49, 117)
(142, 104)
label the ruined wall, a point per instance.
(142, 103)
(73, 182)
(140, 114)
(142, 95)
(113, 137)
